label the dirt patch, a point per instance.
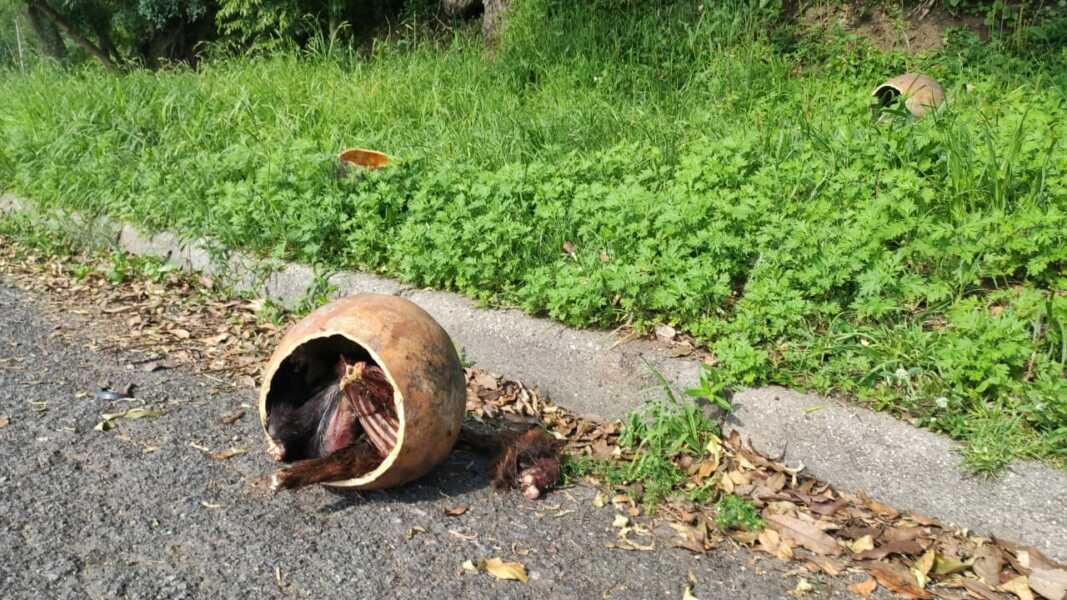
(912, 29)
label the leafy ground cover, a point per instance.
(707, 165)
(666, 474)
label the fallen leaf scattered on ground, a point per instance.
(1049, 583)
(1019, 586)
(896, 578)
(803, 587)
(4, 422)
(499, 568)
(823, 529)
(107, 419)
(228, 453)
(233, 417)
(805, 534)
(455, 511)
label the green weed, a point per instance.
(712, 166)
(734, 512)
(657, 435)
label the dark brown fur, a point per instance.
(353, 461)
(526, 456)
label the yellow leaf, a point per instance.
(946, 565)
(688, 593)
(598, 500)
(924, 562)
(921, 568)
(620, 521)
(1020, 586)
(505, 570)
(862, 544)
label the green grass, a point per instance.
(656, 436)
(716, 169)
(735, 512)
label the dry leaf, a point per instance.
(625, 543)
(181, 334)
(569, 247)
(988, 563)
(895, 578)
(1020, 586)
(1049, 583)
(505, 570)
(694, 539)
(947, 565)
(106, 423)
(228, 453)
(805, 534)
(905, 548)
(687, 594)
(771, 543)
(981, 590)
(4, 422)
(599, 500)
(864, 588)
(233, 417)
(415, 531)
(620, 521)
(863, 544)
(921, 568)
(831, 566)
(803, 587)
(455, 511)
(133, 413)
(463, 536)
(879, 508)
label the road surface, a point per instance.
(142, 511)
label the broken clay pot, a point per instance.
(417, 356)
(921, 93)
(361, 157)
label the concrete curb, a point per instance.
(596, 373)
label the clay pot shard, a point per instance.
(365, 392)
(362, 157)
(921, 93)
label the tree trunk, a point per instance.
(76, 36)
(46, 32)
(494, 20)
(459, 8)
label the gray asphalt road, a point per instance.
(139, 512)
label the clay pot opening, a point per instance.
(309, 368)
(887, 96)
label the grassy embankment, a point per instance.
(715, 169)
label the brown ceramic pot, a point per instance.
(417, 356)
(921, 92)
